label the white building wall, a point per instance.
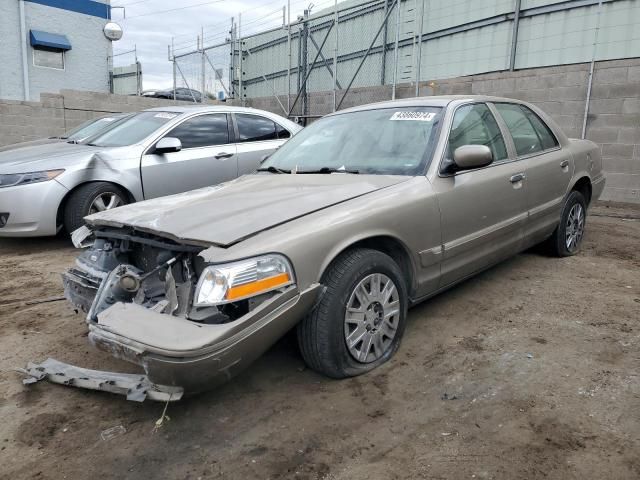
(10, 53)
(86, 64)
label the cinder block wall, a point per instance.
(613, 121)
(54, 114)
(614, 110)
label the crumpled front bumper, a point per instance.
(178, 355)
(136, 387)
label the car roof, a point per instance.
(204, 109)
(431, 101)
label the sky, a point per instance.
(149, 26)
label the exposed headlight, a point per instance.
(230, 282)
(13, 179)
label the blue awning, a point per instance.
(49, 40)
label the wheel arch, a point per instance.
(63, 203)
(382, 242)
(583, 185)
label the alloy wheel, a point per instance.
(105, 201)
(371, 318)
(574, 227)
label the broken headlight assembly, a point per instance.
(230, 282)
(14, 179)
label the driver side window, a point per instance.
(202, 131)
(475, 125)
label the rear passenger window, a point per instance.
(253, 128)
(282, 132)
(475, 125)
(525, 137)
(547, 137)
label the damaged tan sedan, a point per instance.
(358, 217)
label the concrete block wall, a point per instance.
(54, 114)
(613, 121)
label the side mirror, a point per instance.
(168, 145)
(467, 157)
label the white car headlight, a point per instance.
(230, 282)
(13, 179)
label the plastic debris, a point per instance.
(112, 432)
(446, 396)
(529, 355)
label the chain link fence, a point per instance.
(352, 52)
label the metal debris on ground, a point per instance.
(136, 387)
(446, 396)
(163, 418)
(112, 432)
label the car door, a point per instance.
(482, 210)
(258, 136)
(208, 157)
(549, 168)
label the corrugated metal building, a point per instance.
(459, 37)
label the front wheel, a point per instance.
(360, 319)
(91, 198)
(567, 237)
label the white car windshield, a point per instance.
(389, 141)
(92, 128)
(132, 130)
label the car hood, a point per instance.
(31, 143)
(231, 212)
(42, 157)
(57, 155)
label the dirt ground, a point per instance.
(530, 370)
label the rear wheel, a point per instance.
(567, 237)
(91, 198)
(360, 319)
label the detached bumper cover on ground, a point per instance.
(177, 355)
(136, 387)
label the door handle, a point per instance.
(223, 155)
(564, 163)
(517, 177)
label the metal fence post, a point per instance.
(232, 43)
(305, 62)
(591, 69)
(173, 56)
(514, 35)
(289, 49)
(395, 52)
(384, 44)
(335, 53)
(419, 52)
(241, 55)
(203, 66)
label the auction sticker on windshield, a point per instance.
(416, 116)
(165, 115)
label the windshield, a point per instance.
(92, 127)
(389, 141)
(133, 130)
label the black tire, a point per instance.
(321, 335)
(81, 199)
(557, 243)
